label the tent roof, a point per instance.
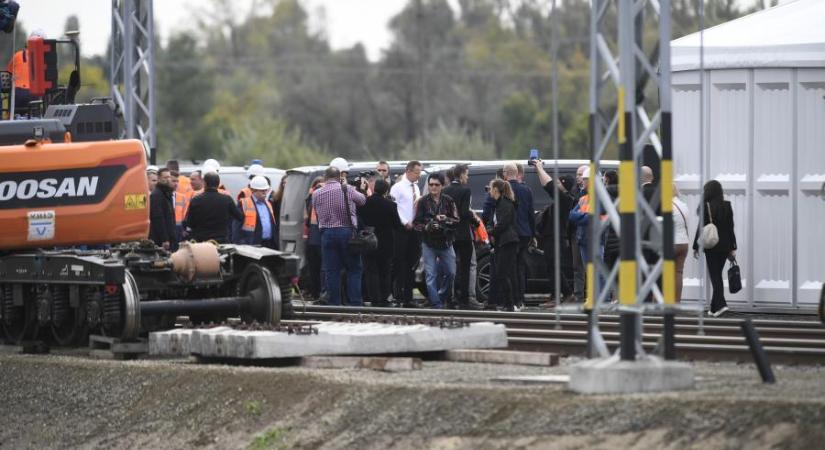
(789, 35)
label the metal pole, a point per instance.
(556, 217)
(668, 250)
(628, 187)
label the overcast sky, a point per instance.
(346, 21)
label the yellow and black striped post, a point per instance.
(628, 186)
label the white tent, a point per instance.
(791, 35)
(763, 135)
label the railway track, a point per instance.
(785, 341)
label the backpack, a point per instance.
(710, 234)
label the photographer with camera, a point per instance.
(436, 216)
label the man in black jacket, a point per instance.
(380, 213)
(463, 244)
(162, 212)
(525, 225)
(435, 218)
(546, 228)
(210, 213)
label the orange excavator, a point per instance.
(74, 258)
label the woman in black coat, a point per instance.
(718, 211)
(380, 213)
(504, 237)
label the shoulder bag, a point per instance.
(710, 234)
(362, 240)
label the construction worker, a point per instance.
(258, 227)
(253, 171)
(184, 184)
(180, 201)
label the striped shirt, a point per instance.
(328, 203)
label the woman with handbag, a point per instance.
(717, 238)
(681, 238)
(504, 237)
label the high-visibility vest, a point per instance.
(184, 184)
(181, 206)
(245, 193)
(19, 66)
(250, 213)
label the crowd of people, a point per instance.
(395, 226)
(198, 207)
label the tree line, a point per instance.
(472, 82)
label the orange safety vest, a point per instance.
(19, 66)
(245, 193)
(184, 184)
(481, 233)
(181, 206)
(250, 213)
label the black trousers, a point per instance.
(566, 265)
(407, 254)
(463, 254)
(507, 274)
(716, 264)
(377, 277)
(521, 263)
(315, 284)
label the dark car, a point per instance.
(481, 172)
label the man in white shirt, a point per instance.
(407, 243)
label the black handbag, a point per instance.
(363, 240)
(734, 277)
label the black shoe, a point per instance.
(472, 305)
(409, 305)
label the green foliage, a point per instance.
(272, 439)
(472, 81)
(449, 143)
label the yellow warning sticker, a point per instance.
(135, 201)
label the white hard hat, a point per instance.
(254, 170)
(37, 33)
(151, 169)
(340, 163)
(211, 165)
(259, 183)
(586, 173)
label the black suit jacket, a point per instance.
(161, 218)
(461, 195)
(382, 214)
(505, 230)
(723, 219)
(210, 214)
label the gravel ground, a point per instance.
(68, 401)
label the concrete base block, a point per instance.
(170, 343)
(613, 376)
(503, 357)
(357, 362)
(333, 338)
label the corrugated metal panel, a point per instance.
(729, 152)
(810, 173)
(686, 148)
(772, 162)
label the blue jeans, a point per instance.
(335, 256)
(439, 267)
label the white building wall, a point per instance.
(765, 142)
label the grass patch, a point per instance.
(253, 407)
(272, 439)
